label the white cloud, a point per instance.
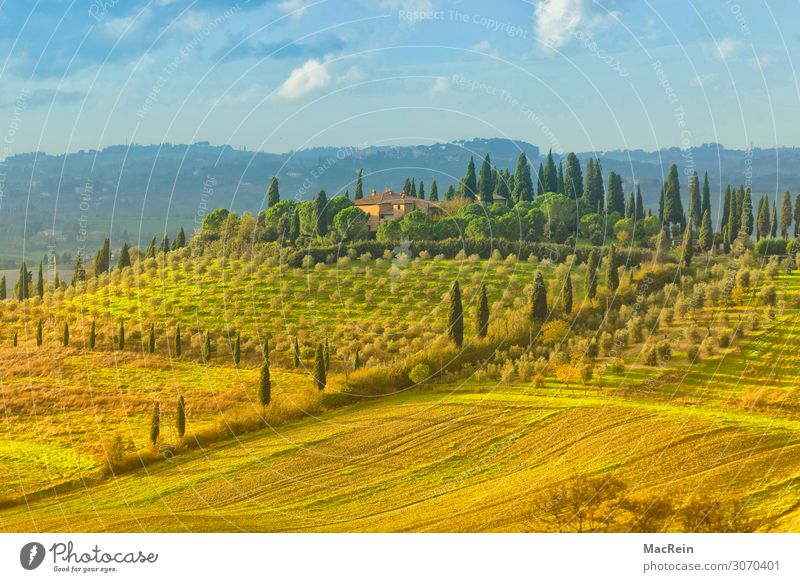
(312, 75)
(728, 48)
(558, 21)
(411, 6)
(235, 99)
(485, 47)
(761, 62)
(440, 86)
(297, 8)
(119, 27)
(353, 75)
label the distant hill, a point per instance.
(143, 190)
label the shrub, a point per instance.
(419, 373)
(770, 246)
(693, 354)
(650, 356)
(664, 349)
(724, 338)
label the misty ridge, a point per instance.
(133, 192)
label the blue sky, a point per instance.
(286, 74)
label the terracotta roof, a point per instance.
(389, 197)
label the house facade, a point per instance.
(391, 206)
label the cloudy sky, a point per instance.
(286, 74)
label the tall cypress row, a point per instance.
(483, 313)
(455, 316)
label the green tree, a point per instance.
(523, 186)
(560, 178)
(92, 336)
(797, 216)
(433, 196)
(786, 214)
(180, 240)
(205, 352)
(273, 194)
(178, 340)
(2, 287)
(573, 178)
(673, 208)
(540, 189)
(327, 354)
(612, 276)
(79, 273)
(265, 385)
(23, 282)
(550, 178)
(40, 282)
(568, 294)
(15, 338)
(615, 196)
(180, 423)
(485, 182)
(155, 424)
(413, 192)
(630, 207)
(591, 273)
(695, 203)
(538, 307)
(124, 257)
(321, 213)
(151, 343)
(773, 232)
(706, 204)
(296, 353)
(320, 376)
(469, 183)
(421, 190)
(483, 313)
(455, 316)
(150, 252)
(450, 193)
(593, 192)
(237, 349)
(39, 334)
(687, 247)
(103, 258)
(65, 336)
(359, 191)
(762, 219)
(165, 246)
(121, 335)
(357, 360)
(706, 232)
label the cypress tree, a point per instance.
(124, 257)
(630, 207)
(357, 360)
(413, 192)
(538, 307)
(180, 239)
(639, 203)
(593, 191)
(2, 287)
(150, 253)
(501, 187)
(450, 193)
(358, 194)
(327, 354)
(786, 214)
(469, 184)
(615, 196)
(407, 187)
(706, 204)
(39, 333)
(673, 207)
(726, 208)
(265, 385)
(483, 313)
(540, 189)
(40, 282)
(797, 216)
(421, 190)
(687, 247)
(296, 353)
(320, 377)
(762, 218)
(79, 273)
(550, 179)
(706, 232)
(92, 337)
(434, 193)
(15, 338)
(121, 336)
(205, 352)
(22, 284)
(321, 213)
(661, 205)
(294, 227)
(151, 343)
(568, 294)
(747, 213)
(774, 222)
(180, 423)
(155, 424)
(165, 244)
(695, 203)
(273, 195)
(573, 179)
(560, 179)
(523, 185)
(591, 273)
(102, 260)
(65, 337)
(485, 183)
(612, 276)
(455, 316)
(237, 349)
(178, 340)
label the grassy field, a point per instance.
(478, 453)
